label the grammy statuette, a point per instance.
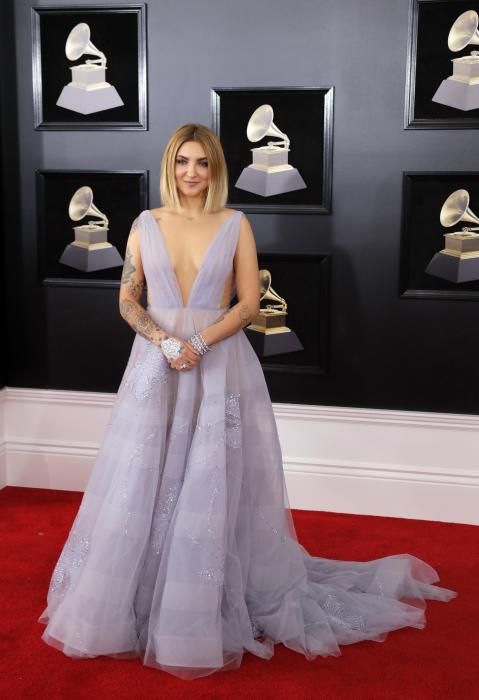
(88, 90)
(269, 173)
(461, 89)
(459, 260)
(90, 251)
(268, 333)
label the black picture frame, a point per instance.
(120, 194)
(422, 233)
(303, 280)
(305, 114)
(429, 63)
(119, 31)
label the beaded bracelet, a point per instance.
(198, 342)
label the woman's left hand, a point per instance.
(187, 359)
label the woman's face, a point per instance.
(192, 170)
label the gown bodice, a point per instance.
(208, 286)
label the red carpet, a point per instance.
(439, 662)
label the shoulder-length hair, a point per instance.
(217, 193)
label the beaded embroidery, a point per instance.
(177, 429)
(127, 484)
(150, 369)
(163, 513)
(72, 557)
(232, 420)
(336, 609)
(213, 570)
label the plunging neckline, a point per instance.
(201, 265)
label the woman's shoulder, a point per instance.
(227, 213)
(231, 211)
(158, 211)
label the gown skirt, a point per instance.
(183, 551)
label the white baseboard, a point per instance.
(377, 462)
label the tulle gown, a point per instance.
(183, 551)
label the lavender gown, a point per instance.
(183, 550)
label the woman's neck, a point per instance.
(192, 207)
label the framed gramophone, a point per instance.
(84, 218)
(281, 124)
(88, 90)
(90, 251)
(461, 89)
(442, 75)
(439, 207)
(106, 87)
(458, 261)
(291, 333)
(268, 333)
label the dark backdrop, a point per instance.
(384, 351)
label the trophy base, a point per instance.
(89, 99)
(85, 235)
(270, 157)
(267, 183)
(88, 74)
(458, 94)
(275, 343)
(454, 268)
(88, 259)
(462, 242)
(466, 68)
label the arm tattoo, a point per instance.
(141, 321)
(244, 314)
(128, 267)
(130, 308)
(134, 287)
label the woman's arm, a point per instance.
(131, 288)
(247, 289)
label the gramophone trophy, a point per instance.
(267, 333)
(90, 251)
(459, 260)
(88, 91)
(270, 172)
(461, 89)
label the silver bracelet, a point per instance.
(171, 348)
(198, 342)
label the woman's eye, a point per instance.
(182, 161)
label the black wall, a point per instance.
(384, 351)
(11, 284)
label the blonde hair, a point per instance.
(217, 193)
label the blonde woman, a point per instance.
(183, 551)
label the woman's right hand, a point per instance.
(188, 356)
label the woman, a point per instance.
(183, 551)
